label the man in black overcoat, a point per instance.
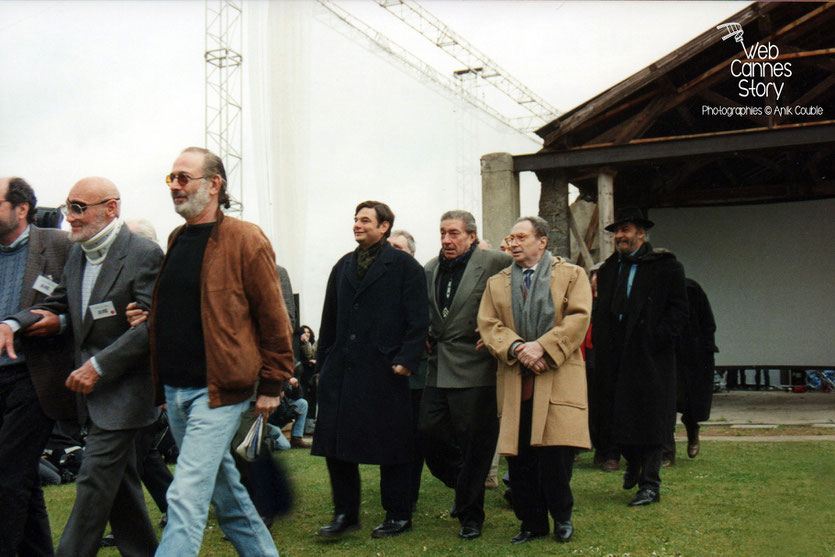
(374, 326)
(695, 363)
(641, 310)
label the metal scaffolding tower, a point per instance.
(539, 112)
(224, 92)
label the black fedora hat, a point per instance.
(630, 214)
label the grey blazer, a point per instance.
(454, 362)
(287, 294)
(49, 360)
(123, 398)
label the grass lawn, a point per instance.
(735, 499)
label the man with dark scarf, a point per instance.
(641, 310)
(372, 336)
(458, 409)
(533, 319)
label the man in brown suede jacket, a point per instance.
(219, 333)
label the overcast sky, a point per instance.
(116, 88)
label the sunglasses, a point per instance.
(182, 179)
(77, 208)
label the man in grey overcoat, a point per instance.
(458, 416)
(108, 267)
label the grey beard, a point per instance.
(195, 204)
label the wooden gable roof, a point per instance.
(687, 131)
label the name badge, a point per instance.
(45, 285)
(102, 310)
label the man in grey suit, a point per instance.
(32, 392)
(108, 267)
(458, 415)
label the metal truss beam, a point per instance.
(224, 92)
(418, 18)
(400, 53)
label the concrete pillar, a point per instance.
(605, 211)
(499, 197)
(553, 207)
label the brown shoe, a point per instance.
(611, 465)
(298, 443)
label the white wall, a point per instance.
(329, 148)
(768, 271)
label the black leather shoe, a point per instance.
(693, 448)
(391, 527)
(526, 536)
(645, 497)
(338, 526)
(563, 531)
(630, 478)
(469, 532)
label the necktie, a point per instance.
(527, 380)
(447, 301)
(526, 281)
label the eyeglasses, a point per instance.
(182, 179)
(77, 208)
(517, 238)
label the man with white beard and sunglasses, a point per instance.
(107, 268)
(219, 333)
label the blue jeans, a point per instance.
(281, 442)
(299, 406)
(206, 473)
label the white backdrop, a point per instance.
(768, 272)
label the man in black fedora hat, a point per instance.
(641, 309)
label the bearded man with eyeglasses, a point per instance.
(108, 267)
(219, 333)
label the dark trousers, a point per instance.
(540, 478)
(460, 428)
(151, 467)
(394, 489)
(417, 462)
(646, 460)
(605, 445)
(108, 488)
(24, 431)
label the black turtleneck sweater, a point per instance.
(181, 353)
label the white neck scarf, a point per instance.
(96, 247)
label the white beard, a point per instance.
(195, 202)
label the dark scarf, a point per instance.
(366, 257)
(450, 273)
(625, 265)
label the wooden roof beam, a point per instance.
(642, 150)
(763, 193)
